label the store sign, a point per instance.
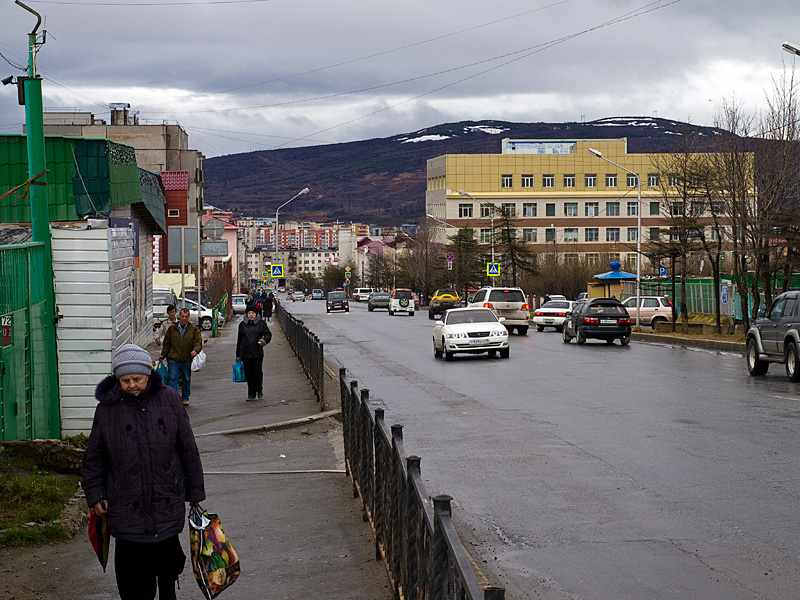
(6, 324)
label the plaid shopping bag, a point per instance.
(214, 561)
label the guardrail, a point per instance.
(307, 346)
(416, 539)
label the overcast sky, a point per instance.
(243, 75)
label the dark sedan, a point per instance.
(600, 319)
(378, 300)
(337, 300)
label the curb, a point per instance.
(280, 425)
(690, 342)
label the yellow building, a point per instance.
(564, 199)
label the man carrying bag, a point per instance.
(181, 344)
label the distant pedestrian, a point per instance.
(266, 310)
(180, 345)
(254, 334)
(140, 466)
(172, 319)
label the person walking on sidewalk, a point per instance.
(180, 345)
(254, 334)
(140, 466)
(267, 306)
(172, 319)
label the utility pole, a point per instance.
(40, 220)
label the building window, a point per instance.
(465, 211)
(592, 234)
(633, 209)
(550, 210)
(653, 179)
(570, 209)
(571, 258)
(676, 209)
(674, 235)
(529, 209)
(612, 234)
(592, 209)
(571, 234)
(612, 209)
(674, 180)
(632, 180)
(697, 208)
(548, 181)
(655, 234)
(633, 234)
(592, 259)
(717, 207)
(486, 235)
(486, 210)
(655, 209)
(590, 180)
(174, 212)
(509, 209)
(527, 181)
(529, 235)
(611, 180)
(569, 181)
(506, 181)
(549, 235)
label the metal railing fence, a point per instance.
(307, 346)
(416, 540)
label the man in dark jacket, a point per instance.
(254, 334)
(181, 344)
(140, 466)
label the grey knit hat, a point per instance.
(130, 359)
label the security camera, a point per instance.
(7, 80)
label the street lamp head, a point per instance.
(597, 153)
(304, 191)
(791, 48)
(463, 193)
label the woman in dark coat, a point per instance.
(140, 467)
(267, 305)
(254, 334)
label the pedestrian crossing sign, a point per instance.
(277, 270)
(493, 269)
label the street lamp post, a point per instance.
(599, 155)
(491, 215)
(300, 193)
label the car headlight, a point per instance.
(498, 333)
(453, 336)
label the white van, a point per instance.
(362, 294)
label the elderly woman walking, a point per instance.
(140, 467)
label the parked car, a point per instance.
(582, 296)
(509, 303)
(470, 330)
(190, 293)
(298, 296)
(317, 295)
(552, 314)
(652, 309)
(441, 301)
(337, 300)
(378, 300)
(600, 319)
(206, 314)
(402, 300)
(362, 294)
(774, 338)
(163, 296)
(239, 303)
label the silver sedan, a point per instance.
(469, 330)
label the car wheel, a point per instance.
(436, 352)
(656, 321)
(610, 342)
(624, 341)
(370, 309)
(504, 352)
(792, 362)
(447, 355)
(560, 328)
(329, 310)
(522, 330)
(431, 315)
(579, 337)
(411, 314)
(492, 352)
(347, 310)
(566, 336)
(391, 313)
(205, 323)
(755, 366)
(539, 328)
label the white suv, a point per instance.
(509, 303)
(402, 300)
(362, 294)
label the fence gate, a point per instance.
(28, 407)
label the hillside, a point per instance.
(382, 180)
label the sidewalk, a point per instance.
(281, 494)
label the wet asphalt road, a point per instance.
(602, 472)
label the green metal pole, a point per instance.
(40, 226)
